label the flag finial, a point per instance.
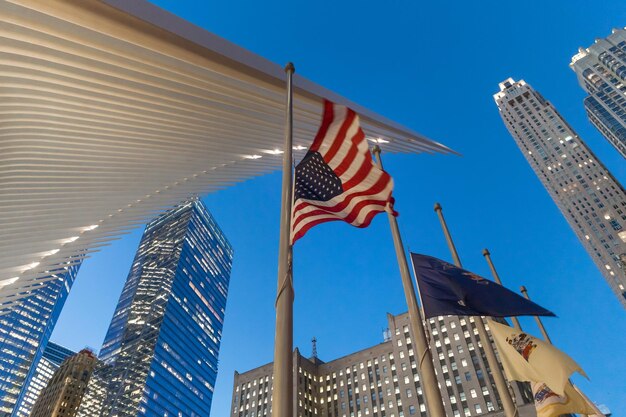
(290, 67)
(437, 207)
(486, 252)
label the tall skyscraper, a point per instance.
(382, 380)
(96, 392)
(64, 393)
(164, 338)
(591, 199)
(601, 71)
(24, 334)
(52, 358)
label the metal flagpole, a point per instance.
(537, 319)
(487, 256)
(544, 332)
(430, 387)
(510, 410)
(514, 319)
(282, 401)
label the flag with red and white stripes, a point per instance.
(337, 179)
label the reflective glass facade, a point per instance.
(52, 358)
(163, 341)
(24, 334)
(612, 128)
(96, 393)
(601, 71)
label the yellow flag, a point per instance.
(526, 358)
(550, 404)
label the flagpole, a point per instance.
(546, 337)
(510, 410)
(487, 256)
(430, 386)
(537, 319)
(282, 401)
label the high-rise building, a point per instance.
(52, 358)
(64, 393)
(24, 334)
(601, 71)
(96, 392)
(591, 199)
(163, 342)
(383, 381)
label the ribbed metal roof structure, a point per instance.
(112, 111)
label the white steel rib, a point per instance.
(112, 111)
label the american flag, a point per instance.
(337, 179)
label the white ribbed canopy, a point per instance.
(112, 111)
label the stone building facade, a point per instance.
(590, 198)
(382, 380)
(64, 393)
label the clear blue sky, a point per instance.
(432, 66)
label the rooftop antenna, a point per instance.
(386, 334)
(314, 343)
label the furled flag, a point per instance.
(337, 179)
(550, 404)
(526, 358)
(446, 289)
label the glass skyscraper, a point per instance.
(24, 334)
(162, 346)
(52, 358)
(601, 71)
